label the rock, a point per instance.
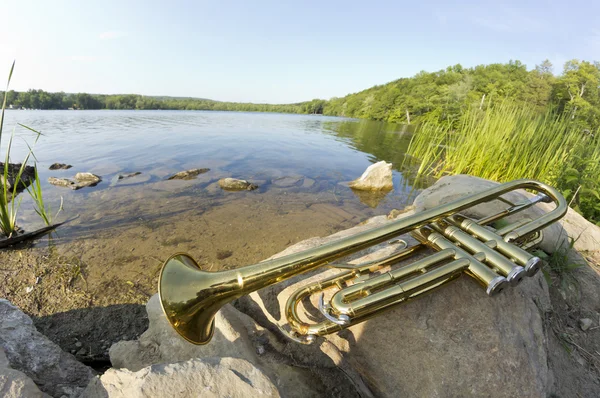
(83, 180)
(27, 176)
(287, 182)
(129, 175)
(188, 174)
(585, 323)
(87, 177)
(59, 166)
(234, 184)
(161, 344)
(53, 370)
(237, 336)
(62, 182)
(377, 177)
(206, 377)
(15, 384)
(497, 345)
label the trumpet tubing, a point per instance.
(496, 258)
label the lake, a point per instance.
(124, 229)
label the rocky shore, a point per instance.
(539, 339)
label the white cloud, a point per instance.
(111, 34)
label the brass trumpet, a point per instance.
(497, 258)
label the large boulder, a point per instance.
(206, 377)
(455, 342)
(238, 336)
(15, 384)
(53, 370)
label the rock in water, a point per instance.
(129, 175)
(53, 370)
(377, 177)
(60, 166)
(88, 177)
(188, 174)
(27, 176)
(205, 377)
(62, 182)
(233, 184)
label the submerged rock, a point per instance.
(129, 175)
(206, 377)
(234, 184)
(53, 370)
(59, 166)
(287, 181)
(188, 174)
(377, 177)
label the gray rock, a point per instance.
(206, 377)
(15, 384)
(377, 177)
(82, 180)
(62, 182)
(87, 178)
(585, 323)
(234, 184)
(188, 174)
(54, 371)
(27, 176)
(59, 166)
(497, 345)
(236, 335)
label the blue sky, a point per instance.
(277, 51)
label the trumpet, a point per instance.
(496, 257)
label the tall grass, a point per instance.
(508, 142)
(9, 204)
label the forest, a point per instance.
(434, 96)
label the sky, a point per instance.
(277, 51)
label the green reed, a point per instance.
(9, 204)
(508, 142)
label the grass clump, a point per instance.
(9, 204)
(508, 142)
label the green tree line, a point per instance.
(433, 96)
(447, 94)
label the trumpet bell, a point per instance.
(181, 283)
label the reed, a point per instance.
(510, 141)
(9, 203)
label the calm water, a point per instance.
(254, 146)
(124, 229)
